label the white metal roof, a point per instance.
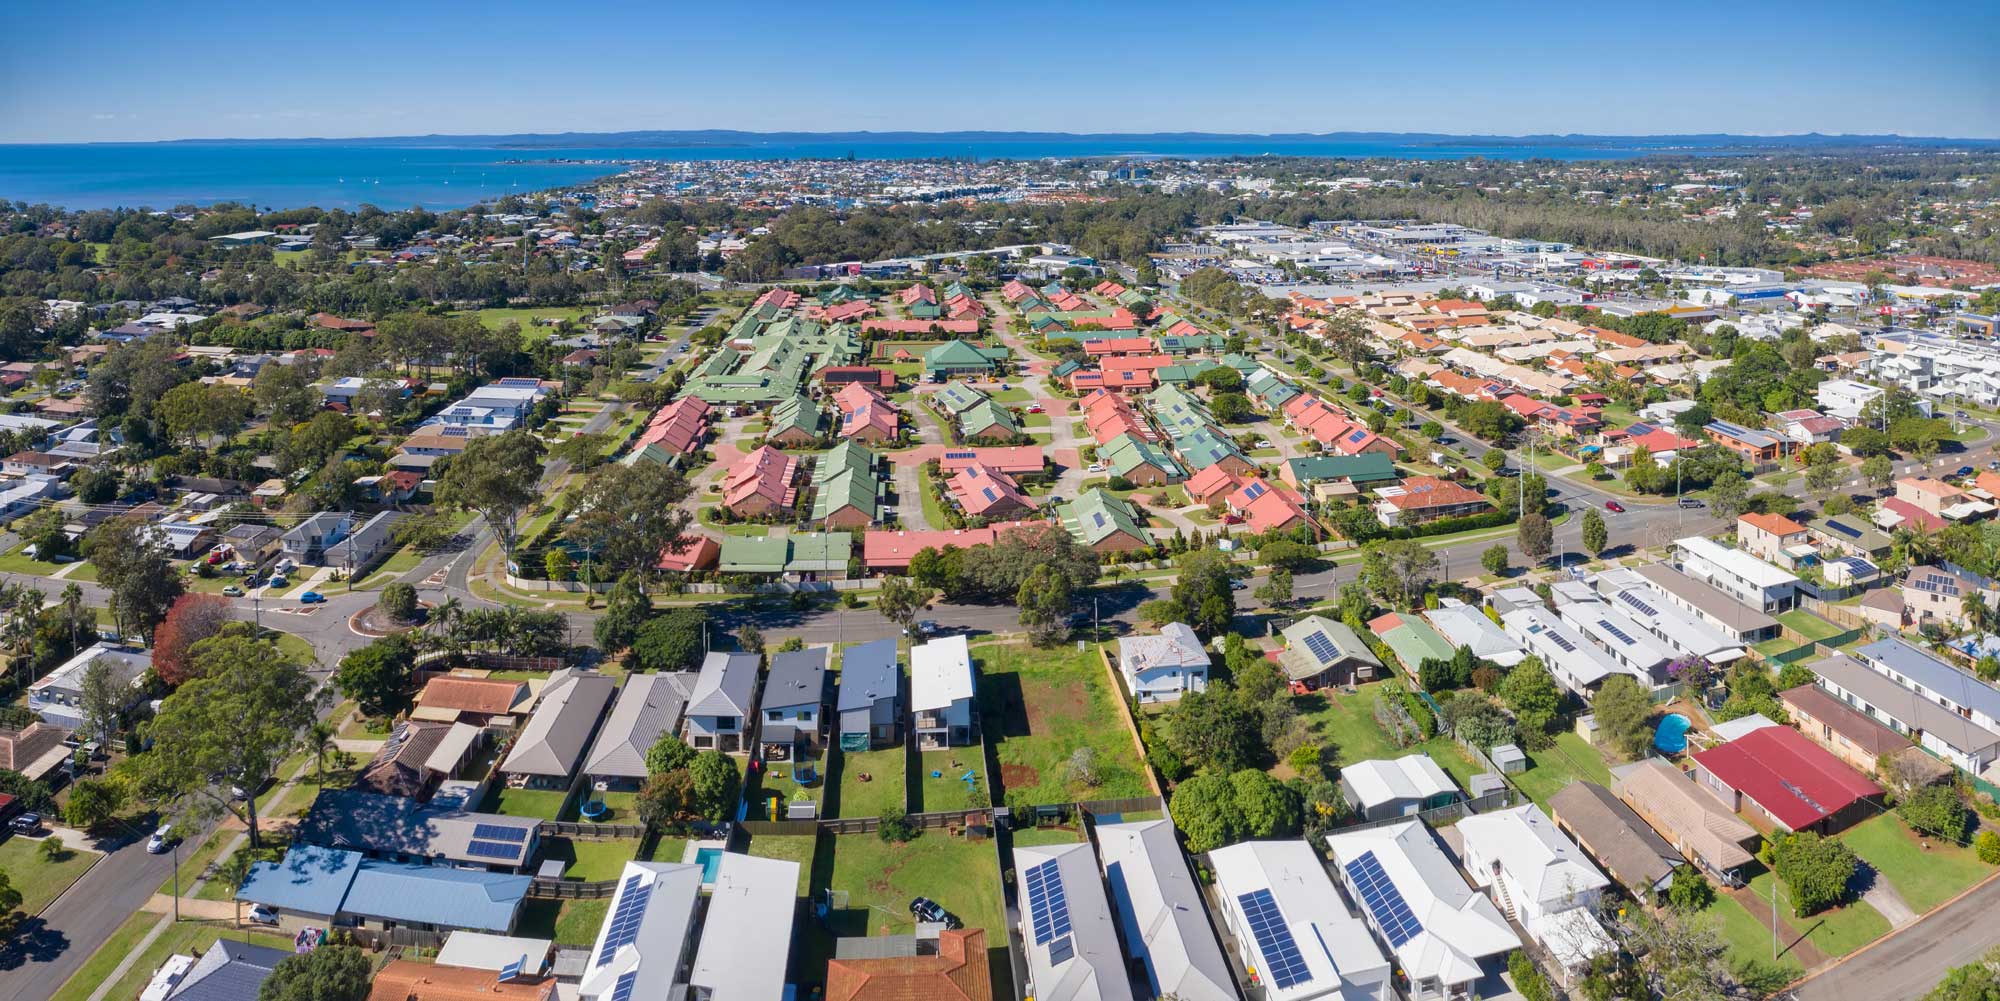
(1085, 964)
(940, 673)
(654, 935)
(1736, 562)
(1165, 921)
(1460, 926)
(1339, 954)
(1467, 626)
(745, 939)
(1387, 780)
(1527, 845)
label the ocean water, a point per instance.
(338, 175)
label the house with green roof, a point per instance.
(957, 398)
(797, 556)
(1142, 462)
(960, 358)
(1242, 363)
(1185, 373)
(797, 421)
(1177, 411)
(1268, 391)
(1412, 640)
(846, 491)
(987, 421)
(1100, 521)
(1328, 476)
(1205, 447)
(1187, 344)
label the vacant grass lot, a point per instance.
(41, 882)
(1346, 724)
(1039, 708)
(1923, 877)
(870, 783)
(1810, 626)
(1569, 760)
(880, 878)
(526, 317)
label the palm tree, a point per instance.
(320, 740)
(1978, 615)
(72, 605)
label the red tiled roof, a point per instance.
(1792, 778)
(892, 550)
(1010, 459)
(1776, 524)
(956, 972)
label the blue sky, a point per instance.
(77, 70)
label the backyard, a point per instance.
(1346, 724)
(777, 784)
(1040, 708)
(879, 878)
(547, 804)
(941, 783)
(870, 782)
(591, 861)
(1569, 760)
(791, 848)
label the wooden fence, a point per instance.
(939, 820)
(588, 831)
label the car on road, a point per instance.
(1508, 471)
(1994, 465)
(924, 627)
(1960, 414)
(1265, 444)
(233, 591)
(1614, 506)
(1691, 502)
(312, 598)
(1965, 471)
(27, 823)
(161, 840)
(1238, 584)
(928, 911)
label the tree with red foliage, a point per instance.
(192, 618)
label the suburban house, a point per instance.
(1289, 925)
(1738, 574)
(1467, 626)
(643, 947)
(1846, 732)
(760, 486)
(648, 705)
(792, 723)
(419, 756)
(454, 698)
(1852, 535)
(1617, 837)
(1444, 934)
(870, 702)
(1775, 539)
(1937, 594)
(1787, 780)
(1320, 652)
(1698, 825)
(1924, 699)
(1539, 878)
(1734, 619)
(942, 694)
(1576, 663)
(1067, 929)
(1385, 788)
(952, 966)
(325, 888)
(404, 829)
(1753, 445)
(549, 749)
(739, 956)
(722, 700)
(35, 750)
(411, 980)
(1160, 910)
(57, 698)
(1103, 523)
(253, 542)
(227, 971)
(1163, 667)
(1422, 499)
(983, 493)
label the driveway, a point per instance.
(1915, 957)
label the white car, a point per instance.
(1095, 467)
(161, 840)
(1265, 444)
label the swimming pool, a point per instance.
(710, 859)
(1671, 735)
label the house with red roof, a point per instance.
(1775, 773)
(890, 551)
(1772, 538)
(1109, 415)
(762, 484)
(698, 552)
(1108, 288)
(867, 415)
(1211, 482)
(964, 307)
(679, 426)
(1016, 291)
(842, 312)
(1267, 507)
(1657, 440)
(782, 298)
(984, 493)
(1563, 422)
(918, 293)
(1013, 460)
(1110, 346)
(1421, 499)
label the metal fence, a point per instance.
(588, 831)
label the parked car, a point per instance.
(1994, 465)
(928, 911)
(161, 840)
(1265, 444)
(233, 591)
(1614, 506)
(280, 580)
(27, 823)
(1965, 471)
(312, 598)
(263, 914)
(1095, 467)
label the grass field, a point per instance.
(1027, 836)
(1346, 724)
(947, 791)
(1924, 878)
(544, 803)
(1040, 707)
(885, 787)
(1810, 626)
(1835, 932)
(41, 882)
(591, 861)
(526, 317)
(1569, 760)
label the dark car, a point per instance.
(1965, 471)
(926, 910)
(27, 823)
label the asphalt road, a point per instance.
(1912, 961)
(50, 948)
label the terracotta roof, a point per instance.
(470, 695)
(1776, 524)
(407, 980)
(957, 973)
(1844, 720)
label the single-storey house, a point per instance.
(1788, 780)
(648, 705)
(1379, 789)
(1320, 652)
(1618, 838)
(329, 888)
(548, 751)
(1700, 826)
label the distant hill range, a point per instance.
(1708, 142)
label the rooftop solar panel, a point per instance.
(1641, 605)
(1843, 528)
(1392, 913)
(492, 849)
(623, 926)
(1562, 641)
(1284, 965)
(622, 991)
(1062, 951)
(498, 832)
(1048, 903)
(1623, 637)
(1321, 647)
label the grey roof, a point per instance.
(436, 895)
(553, 741)
(1086, 963)
(658, 932)
(308, 880)
(1937, 677)
(648, 705)
(1160, 908)
(869, 672)
(1175, 646)
(725, 686)
(1900, 704)
(1301, 661)
(397, 825)
(1617, 835)
(738, 956)
(798, 678)
(1706, 599)
(228, 971)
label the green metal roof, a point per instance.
(957, 356)
(799, 413)
(1096, 515)
(1415, 641)
(958, 398)
(1368, 467)
(984, 417)
(846, 489)
(1127, 452)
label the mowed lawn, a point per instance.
(1924, 878)
(1553, 768)
(871, 782)
(941, 781)
(1346, 723)
(1836, 931)
(879, 879)
(591, 861)
(791, 848)
(41, 882)
(186, 937)
(1038, 708)
(1749, 939)
(526, 317)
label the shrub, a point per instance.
(1935, 811)
(1528, 980)
(398, 601)
(896, 826)
(1307, 760)
(1988, 847)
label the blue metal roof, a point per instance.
(309, 879)
(453, 898)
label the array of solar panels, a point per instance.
(1357, 434)
(1284, 966)
(1857, 566)
(1254, 490)
(1641, 605)
(1048, 904)
(1321, 647)
(1622, 635)
(622, 990)
(496, 841)
(492, 849)
(1392, 913)
(1561, 641)
(623, 928)
(1937, 583)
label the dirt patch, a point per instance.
(1019, 777)
(1062, 701)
